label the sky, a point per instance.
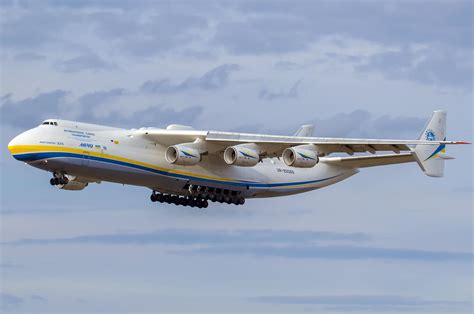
(389, 239)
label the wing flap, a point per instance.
(371, 161)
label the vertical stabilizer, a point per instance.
(431, 157)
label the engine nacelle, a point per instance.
(300, 156)
(73, 185)
(182, 155)
(241, 155)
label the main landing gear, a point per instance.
(178, 200)
(59, 179)
(200, 196)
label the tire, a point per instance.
(159, 198)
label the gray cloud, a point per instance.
(263, 34)
(31, 29)
(261, 243)
(358, 123)
(36, 297)
(29, 56)
(211, 80)
(269, 95)
(29, 112)
(154, 116)
(160, 32)
(388, 22)
(436, 64)
(368, 303)
(286, 66)
(83, 62)
(9, 301)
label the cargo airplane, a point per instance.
(184, 166)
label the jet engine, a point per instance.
(241, 155)
(303, 156)
(182, 155)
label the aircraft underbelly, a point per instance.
(262, 180)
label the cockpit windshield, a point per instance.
(49, 123)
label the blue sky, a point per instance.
(389, 239)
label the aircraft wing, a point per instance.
(274, 145)
(371, 161)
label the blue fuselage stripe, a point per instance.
(30, 157)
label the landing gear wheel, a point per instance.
(159, 198)
(52, 182)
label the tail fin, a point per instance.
(431, 157)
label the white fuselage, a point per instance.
(100, 153)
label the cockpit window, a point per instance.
(49, 123)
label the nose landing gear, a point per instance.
(59, 179)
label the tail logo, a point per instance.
(430, 135)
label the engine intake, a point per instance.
(303, 156)
(182, 155)
(241, 155)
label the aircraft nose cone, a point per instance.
(15, 143)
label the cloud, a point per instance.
(269, 26)
(205, 237)
(152, 116)
(358, 124)
(30, 29)
(31, 111)
(336, 252)
(435, 64)
(28, 57)
(264, 35)
(291, 93)
(368, 303)
(211, 80)
(150, 33)
(261, 243)
(9, 301)
(89, 61)
(36, 297)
